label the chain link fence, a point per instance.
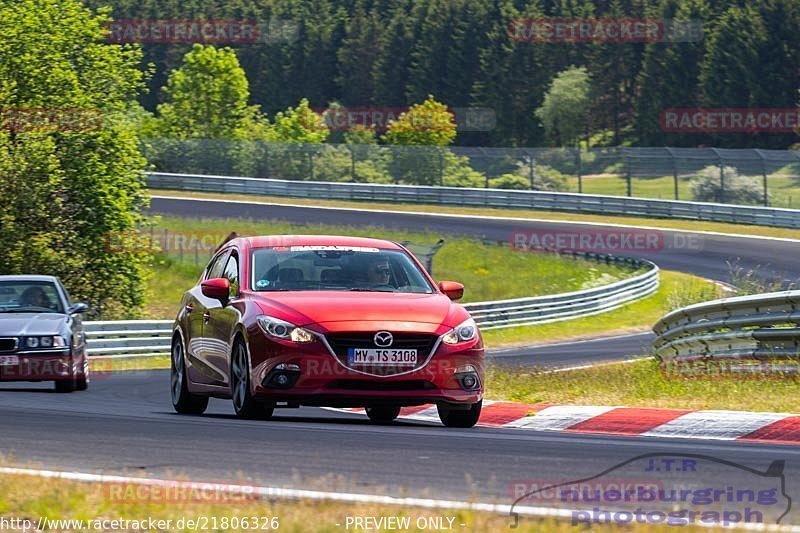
(734, 176)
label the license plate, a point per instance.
(382, 357)
(9, 360)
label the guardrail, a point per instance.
(145, 338)
(128, 338)
(472, 197)
(565, 306)
(739, 335)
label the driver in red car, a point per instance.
(378, 272)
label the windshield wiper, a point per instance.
(361, 289)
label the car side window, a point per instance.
(232, 273)
(215, 267)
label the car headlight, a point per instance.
(48, 341)
(280, 329)
(466, 331)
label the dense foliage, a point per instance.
(71, 177)
(393, 53)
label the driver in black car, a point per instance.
(35, 297)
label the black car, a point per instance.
(41, 333)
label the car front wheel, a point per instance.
(243, 402)
(459, 418)
(183, 401)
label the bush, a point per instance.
(550, 179)
(458, 173)
(708, 187)
(510, 181)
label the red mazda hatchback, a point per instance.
(325, 321)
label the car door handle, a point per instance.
(189, 308)
(206, 316)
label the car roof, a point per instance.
(268, 241)
(28, 277)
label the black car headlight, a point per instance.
(280, 329)
(466, 331)
(44, 342)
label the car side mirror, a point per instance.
(78, 308)
(453, 290)
(216, 288)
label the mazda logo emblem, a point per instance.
(383, 339)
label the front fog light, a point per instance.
(467, 377)
(283, 376)
(469, 381)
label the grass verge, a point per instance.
(483, 268)
(689, 225)
(31, 497)
(641, 384)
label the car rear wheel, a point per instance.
(459, 418)
(183, 401)
(243, 402)
(383, 413)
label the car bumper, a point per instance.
(317, 377)
(40, 366)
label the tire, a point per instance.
(65, 386)
(383, 414)
(459, 418)
(183, 401)
(244, 404)
(82, 381)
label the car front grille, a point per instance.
(340, 342)
(423, 343)
(8, 344)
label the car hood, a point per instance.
(21, 324)
(327, 307)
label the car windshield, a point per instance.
(29, 297)
(337, 268)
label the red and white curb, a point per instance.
(778, 428)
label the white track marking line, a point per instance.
(489, 217)
(559, 417)
(716, 425)
(275, 492)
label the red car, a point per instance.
(325, 321)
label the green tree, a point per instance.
(427, 124)
(420, 136)
(566, 106)
(207, 97)
(300, 125)
(68, 186)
